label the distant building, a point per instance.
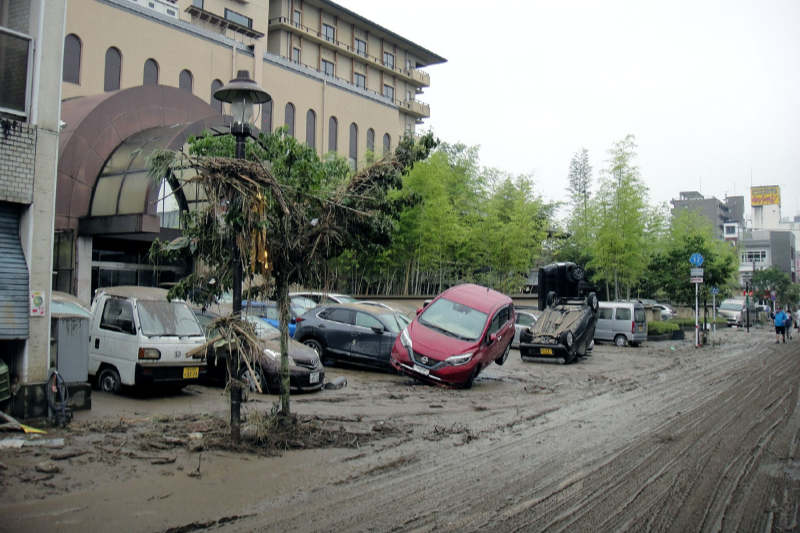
(765, 202)
(762, 249)
(726, 217)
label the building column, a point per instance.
(83, 269)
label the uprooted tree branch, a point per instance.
(275, 212)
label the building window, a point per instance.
(238, 18)
(185, 80)
(360, 80)
(361, 47)
(754, 256)
(328, 32)
(297, 18)
(387, 144)
(333, 135)
(72, 59)
(289, 119)
(327, 68)
(216, 104)
(388, 59)
(296, 55)
(266, 117)
(311, 129)
(113, 69)
(353, 146)
(388, 92)
(150, 75)
(198, 3)
(371, 140)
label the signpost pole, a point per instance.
(713, 314)
(696, 312)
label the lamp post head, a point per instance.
(242, 92)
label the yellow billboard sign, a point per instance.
(765, 195)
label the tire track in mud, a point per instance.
(650, 483)
(505, 484)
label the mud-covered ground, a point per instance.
(664, 437)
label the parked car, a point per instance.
(352, 333)
(734, 310)
(269, 312)
(522, 321)
(667, 312)
(322, 297)
(456, 336)
(566, 324)
(306, 372)
(138, 337)
(621, 322)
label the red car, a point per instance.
(456, 336)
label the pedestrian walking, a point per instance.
(780, 329)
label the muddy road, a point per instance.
(663, 437)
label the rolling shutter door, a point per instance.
(13, 277)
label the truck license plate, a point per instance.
(191, 372)
(546, 351)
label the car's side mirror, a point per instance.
(492, 338)
(419, 310)
(378, 330)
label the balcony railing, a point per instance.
(412, 107)
(15, 66)
(413, 76)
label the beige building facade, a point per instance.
(337, 80)
(140, 74)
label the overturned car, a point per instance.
(565, 328)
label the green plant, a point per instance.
(662, 327)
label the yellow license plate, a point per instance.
(546, 351)
(191, 372)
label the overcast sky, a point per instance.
(710, 89)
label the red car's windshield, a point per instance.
(454, 319)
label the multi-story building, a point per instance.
(140, 74)
(762, 249)
(726, 217)
(31, 37)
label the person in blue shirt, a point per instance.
(780, 329)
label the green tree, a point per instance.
(668, 268)
(275, 212)
(580, 220)
(773, 279)
(618, 248)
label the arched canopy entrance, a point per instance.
(108, 210)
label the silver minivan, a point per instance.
(621, 322)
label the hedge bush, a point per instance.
(661, 327)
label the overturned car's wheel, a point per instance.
(502, 359)
(551, 298)
(593, 302)
(568, 340)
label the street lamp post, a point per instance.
(241, 93)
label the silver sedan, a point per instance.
(524, 319)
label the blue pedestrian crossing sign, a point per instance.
(696, 259)
(714, 290)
